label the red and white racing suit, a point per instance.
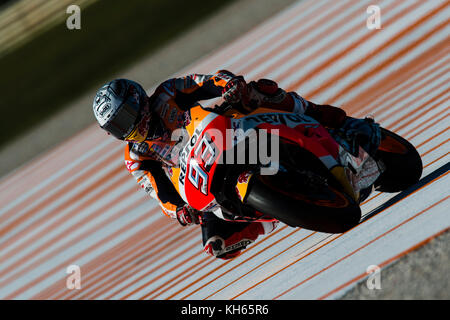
(146, 161)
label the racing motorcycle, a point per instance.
(314, 178)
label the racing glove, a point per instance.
(186, 215)
(235, 91)
(262, 93)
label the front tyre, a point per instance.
(325, 209)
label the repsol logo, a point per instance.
(185, 153)
(279, 118)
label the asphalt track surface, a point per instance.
(77, 205)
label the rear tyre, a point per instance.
(403, 165)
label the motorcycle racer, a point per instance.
(146, 123)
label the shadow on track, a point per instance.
(425, 180)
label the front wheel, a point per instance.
(323, 208)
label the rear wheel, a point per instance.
(403, 165)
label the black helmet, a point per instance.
(121, 108)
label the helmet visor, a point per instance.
(123, 123)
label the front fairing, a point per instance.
(202, 146)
